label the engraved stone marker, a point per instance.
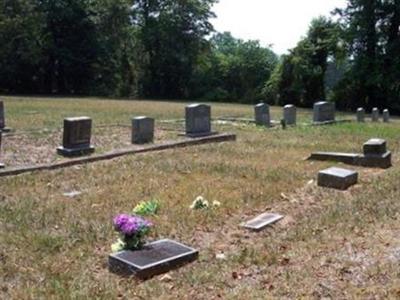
(374, 147)
(386, 116)
(289, 114)
(337, 178)
(360, 115)
(324, 112)
(262, 221)
(1, 164)
(142, 130)
(76, 137)
(262, 117)
(198, 120)
(155, 258)
(2, 118)
(375, 114)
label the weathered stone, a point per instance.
(337, 178)
(375, 114)
(360, 114)
(262, 221)
(198, 120)
(76, 137)
(142, 130)
(374, 147)
(154, 259)
(324, 112)
(289, 114)
(262, 117)
(386, 116)
(2, 118)
(1, 164)
(346, 158)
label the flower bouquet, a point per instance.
(132, 230)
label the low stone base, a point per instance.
(6, 129)
(383, 161)
(337, 178)
(331, 122)
(154, 259)
(197, 135)
(2, 166)
(75, 152)
(346, 158)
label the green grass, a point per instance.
(341, 245)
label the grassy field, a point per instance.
(341, 245)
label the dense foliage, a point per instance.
(146, 48)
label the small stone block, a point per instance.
(142, 130)
(374, 147)
(262, 221)
(337, 178)
(155, 258)
(383, 161)
(198, 119)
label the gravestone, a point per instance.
(375, 114)
(324, 112)
(376, 154)
(2, 118)
(76, 137)
(289, 114)
(1, 164)
(262, 221)
(386, 116)
(142, 130)
(337, 178)
(198, 120)
(360, 115)
(155, 258)
(261, 113)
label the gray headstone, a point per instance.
(2, 119)
(262, 117)
(198, 119)
(1, 164)
(142, 130)
(289, 114)
(375, 114)
(375, 147)
(324, 111)
(76, 137)
(360, 115)
(386, 116)
(337, 178)
(155, 258)
(262, 221)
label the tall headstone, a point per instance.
(1, 164)
(386, 116)
(76, 137)
(289, 114)
(261, 113)
(375, 114)
(198, 120)
(324, 112)
(360, 114)
(2, 118)
(142, 130)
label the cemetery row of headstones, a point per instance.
(374, 115)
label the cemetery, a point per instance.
(239, 207)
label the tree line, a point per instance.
(168, 49)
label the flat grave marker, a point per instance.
(260, 222)
(337, 178)
(76, 137)
(155, 258)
